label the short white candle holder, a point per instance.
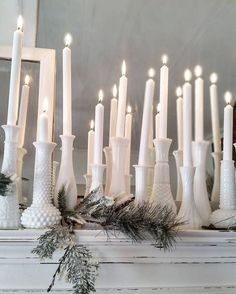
(188, 211)
(119, 152)
(178, 155)
(108, 156)
(199, 187)
(9, 205)
(88, 182)
(215, 194)
(141, 183)
(161, 192)
(128, 179)
(226, 215)
(66, 176)
(21, 152)
(97, 177)
(42, 213)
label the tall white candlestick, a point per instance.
(113, 115)
(187, 121)
(215, 113)
(120, 126)
(43, 124)
(13, 102)
(150, 138)
(179, 109)
(228, 128)
(67, 118)
(90, 155)
(98, 137)
(199, 105)
(147, 110)
(157, 121)
(128, 128)
(164, 72)
(23, 111)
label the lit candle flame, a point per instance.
(114, 91)
(129, 109)
(45, 105)
(20, 22)
(100, 96)
(158, 107)
(213, 78)
(228, 97)
(27, 80)
(151, 72)
(123, 68)
(187, 75)
(198, 71)
(92, 124)
(164, 59)
(178, 91)
(68, 39)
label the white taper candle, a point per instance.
(199, 105)
(90, 154)
(228, 128)
(179, 110)
(113, 114)
(98, 137)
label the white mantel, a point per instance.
(201, 262)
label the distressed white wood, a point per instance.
(202, 262)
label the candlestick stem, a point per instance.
(201, 196)
(141, 183)
(88, 182)
(215, 194)
(178, 154)
(108, 156)
(97, 177)
(21, 152)
(161, 192)
(9, 212)
(66, 174)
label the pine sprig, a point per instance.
(5, 182)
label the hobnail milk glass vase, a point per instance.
(9, 205)
(42, 213)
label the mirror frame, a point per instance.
(47, 61)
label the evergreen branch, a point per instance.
(62, 200)
(5, 182)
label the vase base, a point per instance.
(9, 212)
(40, 217)
(223, 218)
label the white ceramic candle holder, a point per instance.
(108, 156)
(66, 174)
(226, 215)
(199, 187)
(178, 154)
(128, 179)
(215, 194)
(152, 155)
(97, 177)
(141, 183)
(161, 192)
(88, 182)
(188, 211)
(9, 205)
(21, 152)
(42, 213)
(119, 151)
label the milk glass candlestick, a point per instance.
(113, 114)
(157, 120)
(15, 74)
(147, 112)
(67, 119)
(179, 109)
(225, 216)
(187, 120)
(98, 137)
(90, 154)
(215, 113)
(120, 126)
(164, 72)
(199, 105)
(23, 111)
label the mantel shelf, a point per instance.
(202, 261)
